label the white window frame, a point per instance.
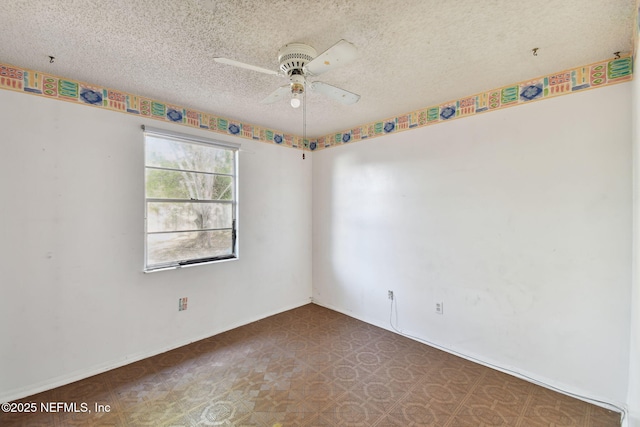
(235, 148)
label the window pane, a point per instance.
(176, 247)
(190, 190)
(166, 184)
(169, 153)
(165, 216)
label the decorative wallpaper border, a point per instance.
(50, 86)
(577, 79)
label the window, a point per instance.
(191, 200)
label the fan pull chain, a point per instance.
(304, 117)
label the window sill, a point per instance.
(179, 267)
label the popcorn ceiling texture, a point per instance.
(413, 54)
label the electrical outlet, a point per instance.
(390, 295)
(440, 307)
(182, 304)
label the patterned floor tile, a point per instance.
(439, 399)
(310, 367)
(378, 393)
(484, 421)
(414, 417)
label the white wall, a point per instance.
(633, 399)
(518, 220)
(74, 298)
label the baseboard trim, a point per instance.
(633, 419)
(81, 374)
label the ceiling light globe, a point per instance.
(295, 102)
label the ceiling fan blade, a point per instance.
(336, 93)
(278, 94)
(341, 53)
(246, 66)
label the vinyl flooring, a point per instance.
(306, 367)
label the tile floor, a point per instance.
(309, 367)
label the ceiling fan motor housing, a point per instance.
(293, 56)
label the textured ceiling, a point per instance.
(412, 54)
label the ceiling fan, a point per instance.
(298, 62)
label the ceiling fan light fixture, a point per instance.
(299, 61)
(297, 89)
(295, 100)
